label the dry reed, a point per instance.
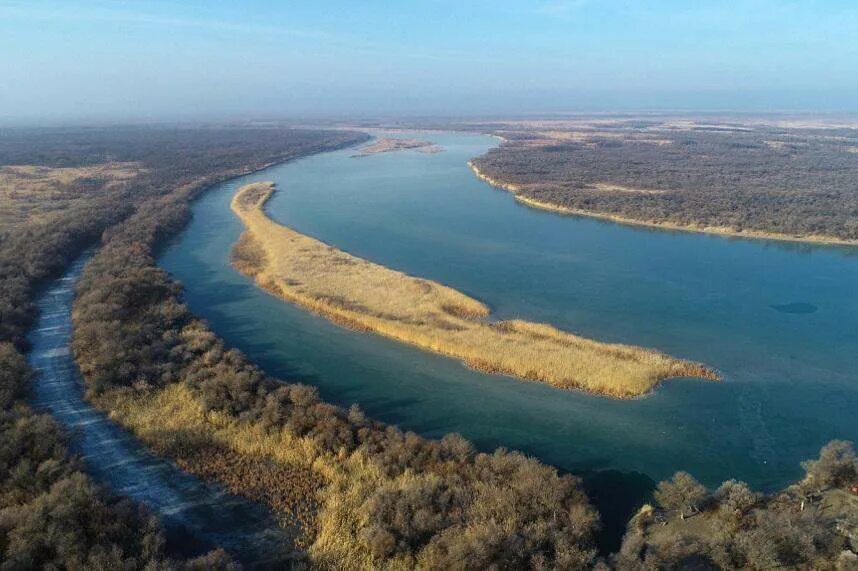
(370, 297)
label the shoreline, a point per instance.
(723, 232)
(364, 296)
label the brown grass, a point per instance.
(274, 468)
(318, 494)
(32, 194)
(370, 297)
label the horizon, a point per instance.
(162, 61)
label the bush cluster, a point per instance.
(806, 526)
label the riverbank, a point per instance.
(196, 515)
(366, 296)
(723, 231)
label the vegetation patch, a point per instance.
(387, 145)
(604, 187)
(32, 194)
(268, 467)
(371, 297)
(812, 524)
(759, 180)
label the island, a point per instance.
(389, 144)
(369, 297)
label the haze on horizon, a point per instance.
(161, 60)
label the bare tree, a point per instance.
(681, 493)
(836, 466)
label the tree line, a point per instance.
(795, 182)
(812, 524)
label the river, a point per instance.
(198, 516)
(777, 319)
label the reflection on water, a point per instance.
(198, 516)
(791, 382)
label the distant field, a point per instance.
(367, 296)
(388, 144)
(31, 194)
(779, 179)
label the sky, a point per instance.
(171, 60)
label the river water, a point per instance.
(778, 319)
(197, 516)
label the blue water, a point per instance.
(198, 516)
(741, 306)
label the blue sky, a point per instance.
(149, 60)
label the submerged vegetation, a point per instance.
(371, 297)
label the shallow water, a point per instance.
(741, 306)
(198, 516)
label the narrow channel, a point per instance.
(197, 516)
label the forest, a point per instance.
(736, 178)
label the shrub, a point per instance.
(51, 514)
(735, 497)
(14, 375)
(836, 466)
(779, 539)
(681, 493)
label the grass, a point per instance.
(370, 297)
(316, 493)
(277, 469)
(31, 194)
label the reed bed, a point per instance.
(271, 467)
(367, 296)
(321, 496)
